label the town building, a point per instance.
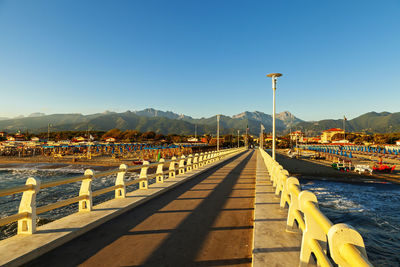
(297, 135)
(326, 136)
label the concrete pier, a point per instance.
(224, 215)
(272, 246)
(227, 216)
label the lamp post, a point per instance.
(262, 136)
(274, 77)
(218, 132)
(48, 132)
(238, 138)
(344, 127)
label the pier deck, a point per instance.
(207, 221)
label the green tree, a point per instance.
(150, 135)
(115, 133)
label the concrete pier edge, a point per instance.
(19, 249)
(272, 245)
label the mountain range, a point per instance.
(166, 122)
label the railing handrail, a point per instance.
(22, 188)
(346, 245)
(26, 216)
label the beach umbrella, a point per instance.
(350, 155)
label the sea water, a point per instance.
(373, 209)
(16, 174)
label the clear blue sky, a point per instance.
(200, 58)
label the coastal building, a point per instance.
(268, 138)
(326, 136)
(3, 134)
(35, 139)
(193, 139)
(111, 140)
(79, 139)
(297, 135)
(204, 140)
(213, 141)
(398, 143)
(311, 140)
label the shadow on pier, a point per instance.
(206, 221)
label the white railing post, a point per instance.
(273, 169)
(201, 159)
(181, 169)
(285, 192)
(312, 231)
(213, 156)
(341, 235)
(27, 225)
(120, 192)
(196, 161)
(282, 177)
(160, 172)
(86, 190)
(172, 168)
(205, 159)
(143, 184)
(189, 163)
(294, 202)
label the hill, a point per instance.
(167, 122)
(371, 122)
(146, 120)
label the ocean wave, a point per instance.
(370, 208)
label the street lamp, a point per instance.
(238, 138)
(48, 131)
(274, 77)
(262, 136)
(218, 132)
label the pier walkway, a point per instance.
(207, 221)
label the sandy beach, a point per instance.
(98, 161)
(322, 170)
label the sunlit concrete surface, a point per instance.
(272, 246)
(205, 221)
(20, 249)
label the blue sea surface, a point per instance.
(15, 175)
(373, 209)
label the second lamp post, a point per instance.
(274, 77)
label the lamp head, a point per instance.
(274, 75)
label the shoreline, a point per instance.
(321, 170)
(106, 162)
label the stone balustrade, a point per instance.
(165, 169)
(345, 244)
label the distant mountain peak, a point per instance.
(285, 115)
(108, 112)
(36, 114)
(151, 112)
